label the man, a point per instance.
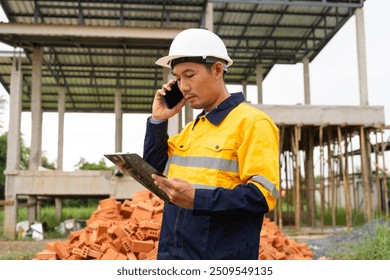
(222, 169)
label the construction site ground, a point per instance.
(322, 241)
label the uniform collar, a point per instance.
(218, 114)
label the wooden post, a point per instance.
(297, 179)
(286, 170)
(310, 181)
(322, 187)
(354, 194)
(348, 183)
(345, 180)
(331, 186)
(384, 176)
(364, 174)
(377, 182)
(279, 205)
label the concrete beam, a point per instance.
(81, 183)
(57, 30)
(325, 115)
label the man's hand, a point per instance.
(179, 191)
(160, 111)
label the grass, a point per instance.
(28, 255)
(48, 219)
(373, 246)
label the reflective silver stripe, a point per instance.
(267, 184)
(206, 162)
(167, 167)
(204, 187)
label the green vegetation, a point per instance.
(85, 165)
(72, 209)
(373, 246)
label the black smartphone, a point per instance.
(173, 97)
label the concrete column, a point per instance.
(13, 149)
(36, 110)
(15, 111)
(60, 150)
(58, 208)
(118, 120)
(361, 54)
(32, 208)
(188, 113)
(61, 120)
(259, 83)
(174, 123)
(244, 89)
(209, 17)
(306, 80)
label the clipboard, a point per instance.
(140, 170)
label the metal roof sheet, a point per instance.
(91, 66)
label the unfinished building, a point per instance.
(98, 57)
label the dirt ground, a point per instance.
(21, 249)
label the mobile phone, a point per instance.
(173, 97)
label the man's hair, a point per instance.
(209, 65)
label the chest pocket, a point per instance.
(224, 153)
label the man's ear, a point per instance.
(218, 70)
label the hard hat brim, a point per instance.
(165, 60)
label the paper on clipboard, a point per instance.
(140, 170)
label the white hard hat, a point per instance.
(196, 45)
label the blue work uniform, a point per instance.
(231, 157)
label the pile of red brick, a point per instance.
(130, 231)
(276, 246)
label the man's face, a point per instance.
(197, 84)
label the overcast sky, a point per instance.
(333, 81)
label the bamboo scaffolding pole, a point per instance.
(278, 216)
(363, 159)
(348, 184)
(384, 175)
(345, 180)
(322, 187)
(377, 181)
(310, 186)
(297, 179)
(287, 171)
(354, 194)
(331, 187)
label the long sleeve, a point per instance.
(155, 144)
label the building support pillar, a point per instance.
(60, 150)
(118, 121)
(245, 89)
(61, 120)
(13, 148)
(306, 80)
(36, 110)
(361, 54)
(259, 82)
(209, 17)
(36, 127)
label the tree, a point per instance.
(85, 165)
(24, 159)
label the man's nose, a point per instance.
(184, 87)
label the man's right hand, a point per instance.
(160, 111)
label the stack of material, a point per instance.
(130, 231)
(276, 246)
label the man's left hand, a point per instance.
(179, 191)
